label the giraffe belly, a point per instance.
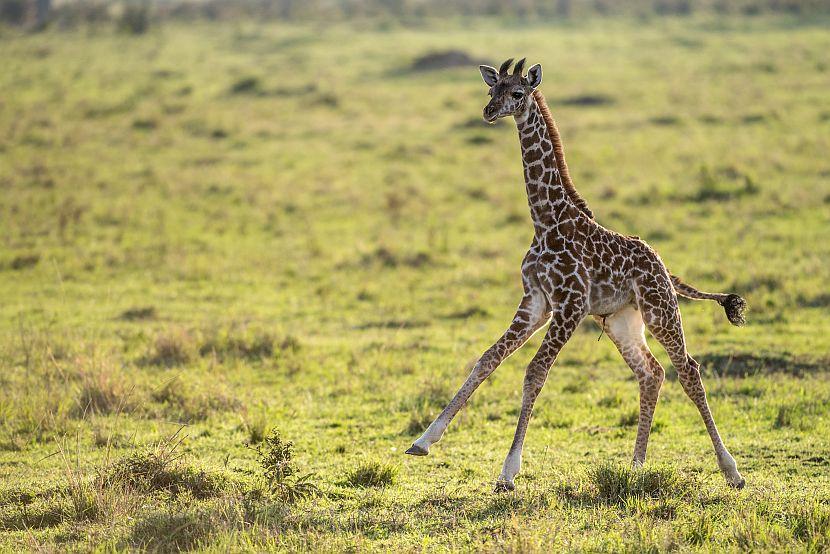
(607, 299)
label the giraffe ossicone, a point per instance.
(574, 268)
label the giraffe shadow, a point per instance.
(748, 365)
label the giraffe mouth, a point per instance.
(491, 120)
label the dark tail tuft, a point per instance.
(735, 307)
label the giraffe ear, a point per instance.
(534, 76)
(489, 74)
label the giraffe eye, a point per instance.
(518, 95)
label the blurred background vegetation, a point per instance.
(137, 15)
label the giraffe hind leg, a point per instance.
(661, 315)
(625, 329)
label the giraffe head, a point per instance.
(509, 92)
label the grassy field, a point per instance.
(211, 232)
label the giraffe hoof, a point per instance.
(739, 485)
(416, 450)
(504, 486)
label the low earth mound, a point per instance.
(445, 59)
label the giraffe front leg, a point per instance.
(485, 366)
(560, 331)
(535, 378)
(530, 316)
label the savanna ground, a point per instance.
(214, 231)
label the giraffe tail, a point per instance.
(733, 304)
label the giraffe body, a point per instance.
(574, 268)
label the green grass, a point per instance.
(372, 474)
(229, 232)
(616, 483)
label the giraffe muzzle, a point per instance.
(490, 114)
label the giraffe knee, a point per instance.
(692, 363)
(692, 370)
(652, 382)
(690, 379)
(659, 377)
(652, 379)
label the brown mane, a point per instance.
(553, 131)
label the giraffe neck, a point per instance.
(548, 200)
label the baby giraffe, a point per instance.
(575, 267)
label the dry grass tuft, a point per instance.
(160, 469)
(256, 427)
(372, 473)
(172, 348)
(236, 344)
(101, 392)
(425, 405)
(187, 401)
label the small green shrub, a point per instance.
(281, 477)
(721, 186)
(85, 501)
(425, 405)
(784, 417)
(34, 515)
(557, 422)
(433, 395)
(145, 124)
(103, 436)
(24, 261)
(419, 419)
